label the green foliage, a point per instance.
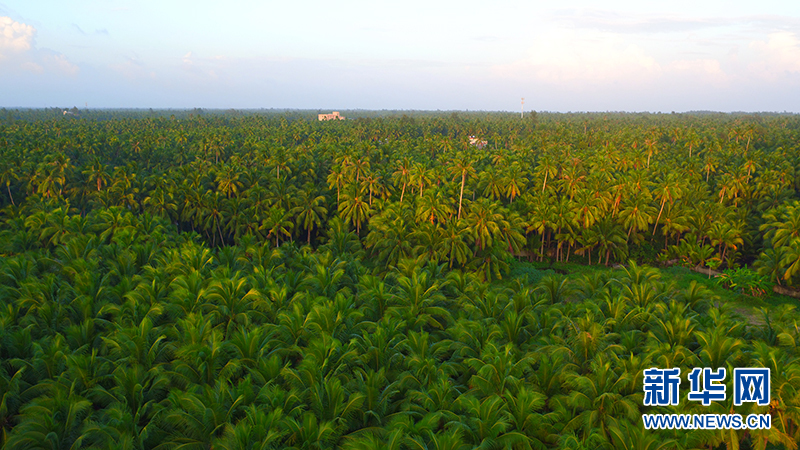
(745, 281)
(206, 279)
(528, 273)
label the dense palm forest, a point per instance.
(199, 279)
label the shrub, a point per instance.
(745, 281)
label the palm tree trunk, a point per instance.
(663, 201)
(541, 251)
(558, 246)
(461, 196)
(8, 187)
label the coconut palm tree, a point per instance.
(483, 222)
(600, 401)
(403, 175)
(420, 176)
(310, 211)
(464, 167)
(610, 237)
(487, 423)
(433, 207)
(770, 263)
(228, 182)
(336, 178)
(419, 302)
(493, 183)
(545, 168)
(515, 181)
(725, 236)
(96, 173)
(57, 419)
(277, 224)
(353, 208)
(668, 190)
(586, 208)
(453, 244)
(229, 300)
(637, 213)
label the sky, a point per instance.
(570, 55)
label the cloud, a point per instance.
(490, 38)
(710, 67)
(623, 23)
(613, 22)
(568, 56)
(15, 37)
(203, 68)
(18, 51)
(57, 62)
(133, 68)
(32, 67)
(690, 75)
(50, 62)
(778, 56)
(97, 31)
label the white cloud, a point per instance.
(699, 70)
(777, 57)
(15, 37)
(633, 23)
(202, 68)
(134, 69)
(567, 57)
(59, 63)
(18, 51)
(32, 67)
